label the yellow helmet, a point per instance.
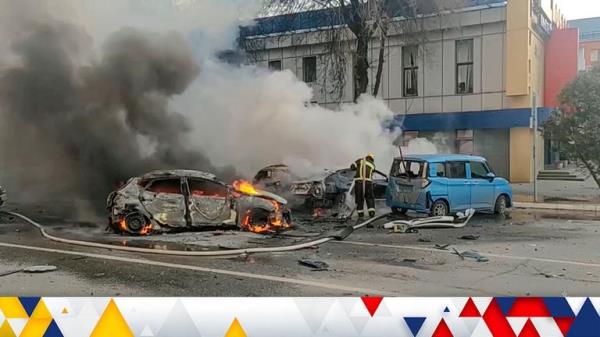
(371, 155)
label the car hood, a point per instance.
(269, 195)
(319, 177)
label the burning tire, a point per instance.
(134, 223)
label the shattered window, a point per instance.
(170, 186)
(408, 168)
(206, 188)
(456, 170)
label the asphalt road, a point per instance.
(528, 253)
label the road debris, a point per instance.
(469, 237)
(316, 265)
(471, 254)
(31, 270)
(409, 226)
(442, 246)
(424, 240)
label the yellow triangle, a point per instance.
(41, 311)
(11, 307)
(6, 330)
(65, 311)
(235, 330)
(112, 323)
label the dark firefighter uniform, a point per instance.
(363, 185)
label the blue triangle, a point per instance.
(558, 307)
(29, 304)
(446, 310)
(505, 303)
(587, 322)
(414, 324)
(53, 330)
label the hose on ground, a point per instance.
(213, 253)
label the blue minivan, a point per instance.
(446, 184)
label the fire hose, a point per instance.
(336, 236)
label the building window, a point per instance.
(410, 69)
(464, 66)
(595, 56)
(309, 69)
(275, 65)
(464, 141)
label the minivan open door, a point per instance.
(407, 182)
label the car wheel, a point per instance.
(501, 205)
(439, 208)
(399, 210)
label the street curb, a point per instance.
(558, 207)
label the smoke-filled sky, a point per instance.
(92, 92)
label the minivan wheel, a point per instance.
(501, 205)
(439, 208)
(399, 210)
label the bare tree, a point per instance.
(350, 27)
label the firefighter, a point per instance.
(363, 185)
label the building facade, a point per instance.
(469, 84)
(589, 42)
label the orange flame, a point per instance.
(124, 228)
(275, 223)
(317, 213)
(244, 187)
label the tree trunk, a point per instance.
(379, 66)
(361, 69)
(590, 168)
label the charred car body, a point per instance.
(2, 196)
(175, 200)
(325, 190)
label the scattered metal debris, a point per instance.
(32, 270)
(409, 260)
(469, 237)
(316, 265)
(442, 246)
(471, 254)
(424, 240)
(408, 226)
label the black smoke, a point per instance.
(73, 121)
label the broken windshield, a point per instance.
(408, 169)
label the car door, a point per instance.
(164, 200)
(459, 189)
(482, 187)
(380, 182)
(209, 202)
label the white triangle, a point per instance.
(359, 310)
(517, 323)
(17, 324)
(481, 330)
(546, 326)
(482, 303)
(349, 305)
(576, 303)
(314, 312)
(359, 323)
(471, 323)
(596, 303)
(382, 310)
(459, 303)
(146, 332)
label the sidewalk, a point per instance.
(559, 195)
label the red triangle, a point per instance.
(470, 309)
(372, 303)
(529, 330)
(496, 322)
(529, 307)
(564, 324)
(442, 330)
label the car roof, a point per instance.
(442, 157)
(179, 173)
(275, 167)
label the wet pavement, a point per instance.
(529, 252)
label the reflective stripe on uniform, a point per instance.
(371, 210)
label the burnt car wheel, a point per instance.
(134, 223)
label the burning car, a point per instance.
(2, 196)
(173, 200)
(330, 188)
(274, 178)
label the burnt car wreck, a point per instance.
(2, 196)
(176, 200)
